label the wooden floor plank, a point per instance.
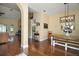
(45, 49)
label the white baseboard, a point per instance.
(24, 46)
(30, 37)
(21, 54)
(42, 39)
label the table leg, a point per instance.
(65, 49)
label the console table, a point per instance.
(67, 42)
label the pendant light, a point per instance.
(67, 21)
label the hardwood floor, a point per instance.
(45, 49)
(10, 48)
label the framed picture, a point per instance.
(45, 25)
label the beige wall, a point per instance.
(9, 22)
(30, 28)
(54, 24)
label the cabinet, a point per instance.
(4, 37)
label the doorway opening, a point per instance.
(10, 29)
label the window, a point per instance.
(2, 28)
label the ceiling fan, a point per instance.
(1, 13)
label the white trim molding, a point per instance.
(24, 46)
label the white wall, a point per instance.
(42, 18)
(43, 32)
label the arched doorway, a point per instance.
(10, 29)
(24, 26)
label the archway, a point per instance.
(10, 29)
(24, 26)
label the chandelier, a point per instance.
(67, 21)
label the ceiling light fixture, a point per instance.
(67, 21)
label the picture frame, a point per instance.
(45, 25)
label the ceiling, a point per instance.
(10, 5)
(10, 10)
(51, 8)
